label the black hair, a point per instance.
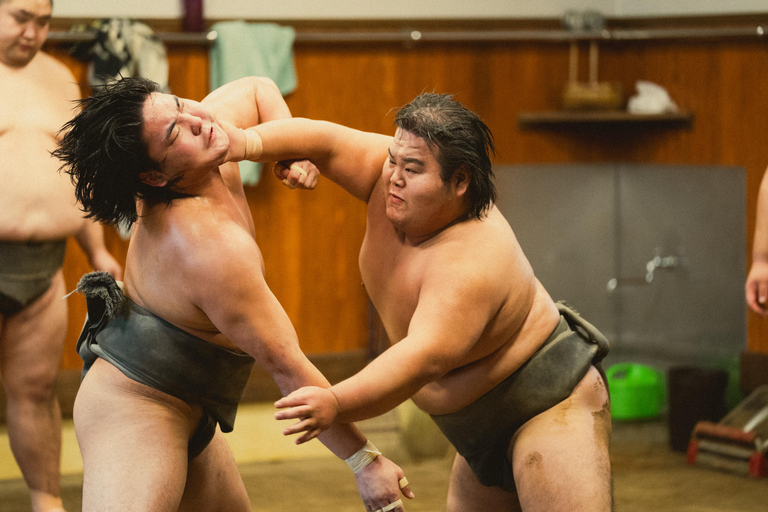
(103, 152)
(462, 140)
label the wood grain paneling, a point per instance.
(310, 240)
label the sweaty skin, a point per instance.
(462, 309)
(195, 263)
(457, 296)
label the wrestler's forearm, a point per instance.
(341, 439)
(390, 379)
(760, 240)
(90, 238)
(283, 139)
(351, 158)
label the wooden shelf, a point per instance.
(567, 118)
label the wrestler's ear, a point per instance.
(153, 178)
(460, 180)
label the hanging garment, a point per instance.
(123, 47)
(253, 49)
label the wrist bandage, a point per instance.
(391, 506)
(362, 457)
(253, 145)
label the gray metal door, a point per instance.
(653, 255)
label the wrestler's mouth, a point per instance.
(395, 198)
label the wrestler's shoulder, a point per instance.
(209, 259)
(481, 258)
(484, 238)
(194, 226)
(54, 69)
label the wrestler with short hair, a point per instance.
(39, 213)
(511, 378)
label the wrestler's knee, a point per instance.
(31, 384)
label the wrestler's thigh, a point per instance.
(133, 441)
(32, 340)
(467, 494)
(214, 482)
(560, 457)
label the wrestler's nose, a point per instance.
(195, 124)
(397, 177)
(30, 31)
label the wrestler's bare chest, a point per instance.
(32, 103)
(38, 201)
(392, 277)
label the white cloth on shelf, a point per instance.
(651, 98)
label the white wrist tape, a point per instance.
(363, 457)
(253, 145)
(391, 506)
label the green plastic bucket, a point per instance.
(637, 391)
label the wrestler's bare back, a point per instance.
(394, 272)
(38, 201)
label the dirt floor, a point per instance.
(648, 476)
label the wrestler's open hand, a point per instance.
(315, 407)
(757, 287)
(297, 173)
(380, 484)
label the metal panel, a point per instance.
(563, 218)
(691, 221)
(652, 255)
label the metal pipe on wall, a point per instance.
(411, 36)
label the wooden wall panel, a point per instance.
(310, 239)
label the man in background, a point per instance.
(757, 280)
(38, 213)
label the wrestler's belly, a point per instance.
(465, 384)
(38, 201)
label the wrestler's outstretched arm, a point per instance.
(247, 102)
(351, 158)
(246, 312)
(455, 305)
